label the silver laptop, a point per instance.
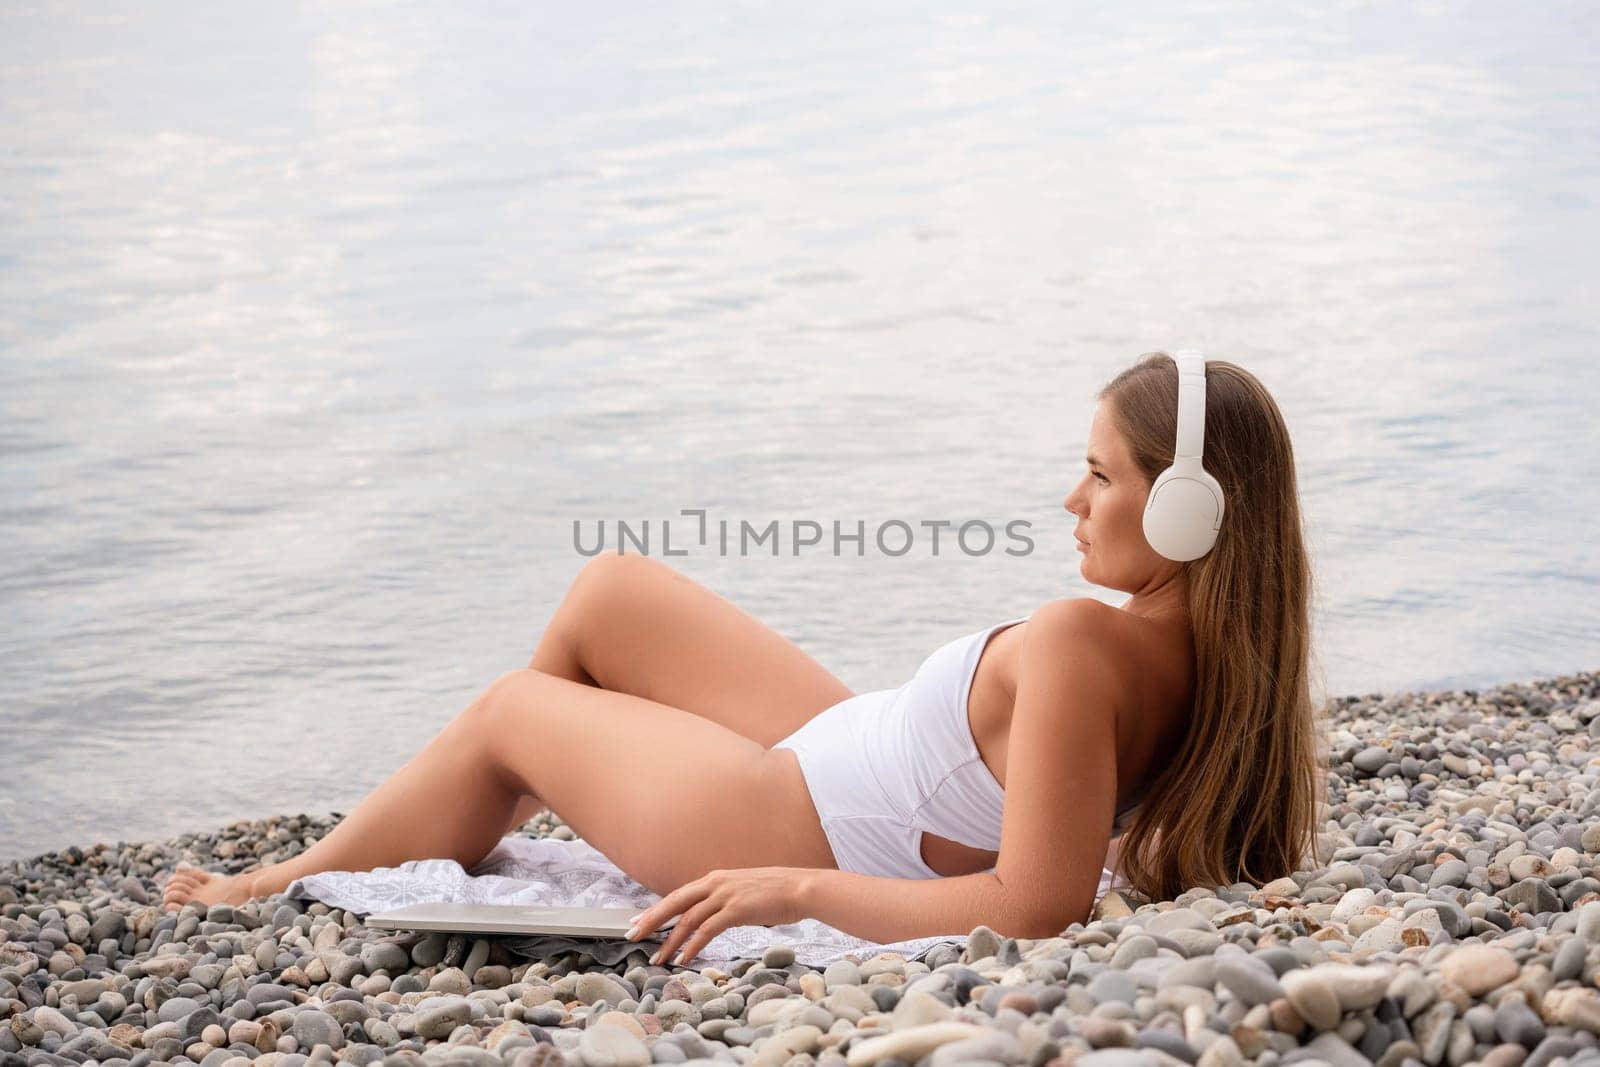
(513, 919)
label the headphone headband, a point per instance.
(1191, 403)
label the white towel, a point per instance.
(549, 871)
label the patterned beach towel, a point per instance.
(552, 872)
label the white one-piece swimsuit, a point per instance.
(886, 766)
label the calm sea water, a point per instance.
(320, 325)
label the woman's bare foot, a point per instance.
(204, 887)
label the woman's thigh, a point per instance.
(639, 626)
(665, 794)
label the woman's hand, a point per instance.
(746, 896)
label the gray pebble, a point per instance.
(176, 1009)
(312, 1027)
(1517, 1024)
(1250, 981)
(385, 956)
(441, 1015)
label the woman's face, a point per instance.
(1109, 504)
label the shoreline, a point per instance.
(1454, 919)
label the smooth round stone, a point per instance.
(1106, 1033)
(1352, 903)
(982, 943)
(1200, 971)
(312, 1027)
(1165, 922)
(911, 1045)
(1431, 1030)
(841, 972)
(768, 1011)
(739, 1035)
(593, 986)
(1252, 982)
(605, 1045)
(476, 957)
(1589, 916)
(1222, 1051)
(781, 1047)
(451, 980)
(1333, 1049)
(491, 976)
(1569, 959)
(1166, 1041)
(428, 951)
(544, 1015)
(918, 1008)
(440, 1015)
(175, 1009)
(1313, 997)
(1505, 1056)
(1109, 986)
(86, 991)
(1370, 758)
(1451, 872)
(777, 956)
(1383, 935)
(1349, 875)
(385, 956)
(1117, 1057)
(994, 1046)
(1530, 866)
(52, 1021)
(624, 1020)
(243, 1030)
(1476, 969)
(1517, 1024)
(1553, 1046)
(1138, 947)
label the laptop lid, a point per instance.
(512, 919)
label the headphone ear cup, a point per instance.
(1182, 516)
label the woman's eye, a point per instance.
(1103, 478)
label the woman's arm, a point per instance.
(898, 909)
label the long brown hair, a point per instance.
(1240, 800)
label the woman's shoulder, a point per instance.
(1142, 647)
(1078, 612)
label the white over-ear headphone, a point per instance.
(1184, 511)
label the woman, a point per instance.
(719, 765)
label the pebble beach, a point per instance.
(1453, 917)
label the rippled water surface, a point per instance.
(321, 324)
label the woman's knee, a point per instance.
(506, 696)
(610, 576)
(609, 585)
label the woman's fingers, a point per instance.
(703, 933)
(647, 920)
(686, 925)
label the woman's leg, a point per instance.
(628, 624)
(634, 624)
(444, 802)
(645, 628)
(665, 794)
